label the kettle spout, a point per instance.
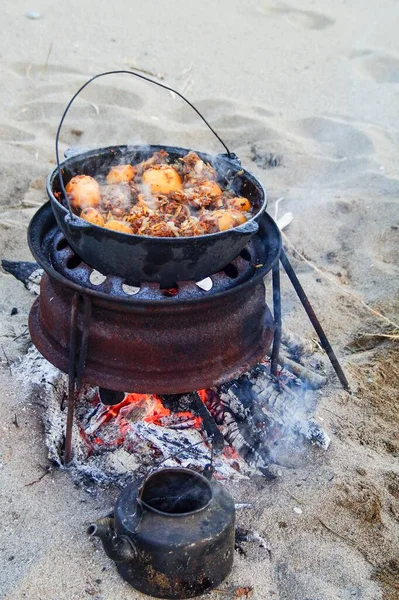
(118, 548)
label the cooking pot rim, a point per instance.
(240, 229)
(175, 470)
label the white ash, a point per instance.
(47, 386)
(32, 284)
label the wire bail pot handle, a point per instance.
(162, 85)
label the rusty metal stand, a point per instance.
(77, 361)
(314, 320)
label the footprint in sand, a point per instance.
(263, 112)
(12, 134)
(211, 108)
(338, 139)
(39, 111)
(235, 121)
(308, 19)
(378, 66)
(385, 249)
(237, 124)
(26, 69)
(109, 95)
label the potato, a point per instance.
(211, 188)
(118, 226)
(83, 191)
(240, 204)
(163, 180)
(229, 218)
(93, 216)
(121, 173)
(238, 217)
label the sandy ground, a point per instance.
(314, 84)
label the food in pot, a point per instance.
(227, 219)
(159, 198)
(162, 179)
(117, 226)
(93, 216)
(121, 173)
(83, 191)
(242, 204)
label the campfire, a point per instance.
(239, 428)
(173, 358)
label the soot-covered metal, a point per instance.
(171, 534)
(154, 341)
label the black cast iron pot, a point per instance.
(172, 534)
(140, 258)
(143, 258)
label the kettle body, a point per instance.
(172, 534)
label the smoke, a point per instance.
(268, 421)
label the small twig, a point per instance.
(47, 470)
(95, 108)
(7, 360)
(157, 75)
(187, 86)
(333, 413)
(292, 495)
(48, 56)
(342, 537)
(390, 336)
(187, 70)
(240, 592)
(15, 421)
(21, 334)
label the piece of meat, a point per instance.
(116, 199)
(158, 158)
(191, 227)
(196, 170)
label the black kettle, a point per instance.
(171, 534)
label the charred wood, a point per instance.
(28, 272)
(314, 380)
(193, 403)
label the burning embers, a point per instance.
(120, 416)
(240, 427)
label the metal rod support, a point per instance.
(277, 319)
(85, 339)
(77, 361)
(314, 320)
(71, 378)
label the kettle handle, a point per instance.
(162, 85)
